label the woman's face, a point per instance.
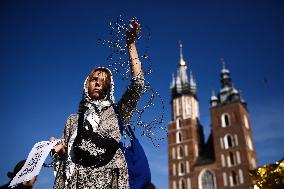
(97, 85)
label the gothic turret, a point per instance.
(181, 85)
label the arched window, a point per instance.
(181, 168)
(182, 184)
(229, 141)
(225, 120)
(178, 136)
(246, 121)
(180, 152)
(178, 123)
(232, 159)
(206, 180)
(234, 179)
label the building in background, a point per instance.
(224, 160)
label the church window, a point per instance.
(228, 140)
(206, 181)
(225, 120)
(234, 179)
(178, 123)
(241, 176)
(225, 179)
(182, 184)
(179, 137)
(246, 121)
(181, 168)
(232, 159)
(180, 152)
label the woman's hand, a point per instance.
(59, 147)
(132, 32)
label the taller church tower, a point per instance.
(184, 129)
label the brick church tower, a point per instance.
(223, 161)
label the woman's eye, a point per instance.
(94, 79)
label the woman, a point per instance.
(99, 163)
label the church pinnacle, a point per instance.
(181, 85)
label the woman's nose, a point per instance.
(97, 84)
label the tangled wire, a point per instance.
(147, 120)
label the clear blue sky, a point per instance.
(48, 47)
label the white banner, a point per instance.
(34, 163)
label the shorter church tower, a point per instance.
(232, 135)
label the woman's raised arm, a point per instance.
(129, 101)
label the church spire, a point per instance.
(223, 63)
(180, 50)
(181, 84)
(181, 61)
(225, 76)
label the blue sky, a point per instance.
(48, 47)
